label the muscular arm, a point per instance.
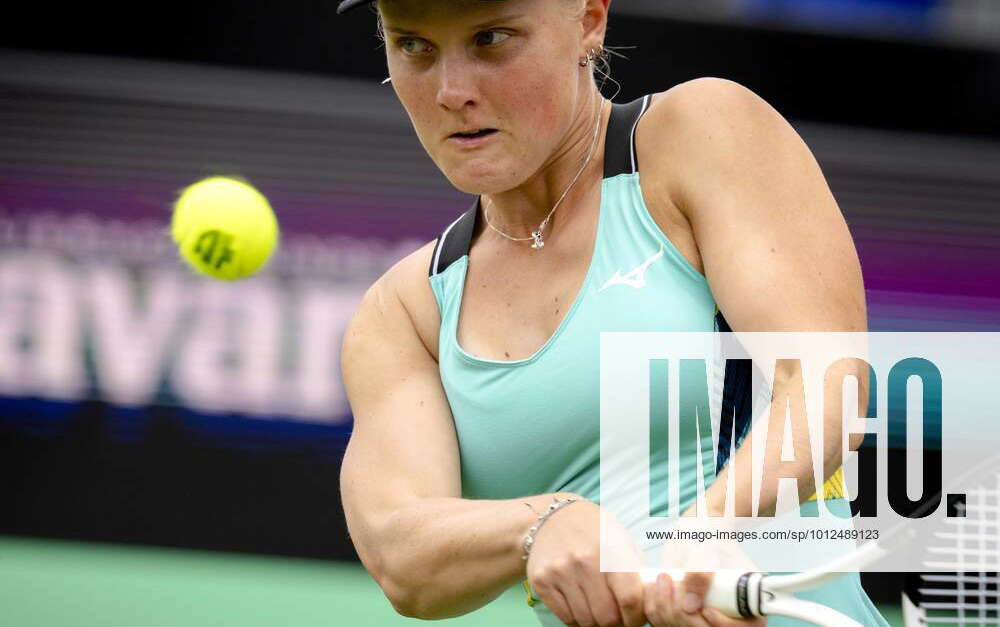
(433, 553)
(773, 243)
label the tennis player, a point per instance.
(472, 366)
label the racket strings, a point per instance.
(970, 545)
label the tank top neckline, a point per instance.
(453, 245)
(581, 293)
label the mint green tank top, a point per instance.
(531, 426)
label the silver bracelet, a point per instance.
(555, 506)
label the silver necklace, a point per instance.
(537, 236)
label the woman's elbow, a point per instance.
(400, 586)
(415, 597)
(400, 595)
(412, 601)
(402, 598)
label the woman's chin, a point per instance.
(489, 179)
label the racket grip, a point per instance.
(735, 594)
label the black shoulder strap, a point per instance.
(619, 158)
(619, 146)
(455, 241)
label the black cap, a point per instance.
(347, 5)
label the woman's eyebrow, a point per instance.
(481, 25)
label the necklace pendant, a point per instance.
(537, 235)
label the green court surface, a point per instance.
(52, 583)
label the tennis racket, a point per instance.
(968, 545)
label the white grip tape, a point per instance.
(734, 593)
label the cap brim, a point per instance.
(347, 5)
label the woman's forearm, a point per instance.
(788, 382)
(444, 557)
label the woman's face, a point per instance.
(507, 68)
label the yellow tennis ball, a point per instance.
(224, 228)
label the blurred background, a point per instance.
(170, 446)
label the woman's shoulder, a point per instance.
(693, 137)
(701, 102)
(703, 115)
(701, 128)
(402, 297)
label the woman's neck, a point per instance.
(569, 172)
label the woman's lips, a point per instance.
(466, 141)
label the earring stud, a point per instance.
(590, 58)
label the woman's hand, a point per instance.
(564, 570)
(679, 604)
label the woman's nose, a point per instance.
(456, 83)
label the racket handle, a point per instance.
(745, 595)
(735, 594)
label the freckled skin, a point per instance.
(513, 66)
(524, 85)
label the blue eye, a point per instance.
(406, 44)
(488, 33)
(415, 46)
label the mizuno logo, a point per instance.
(633, 278)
